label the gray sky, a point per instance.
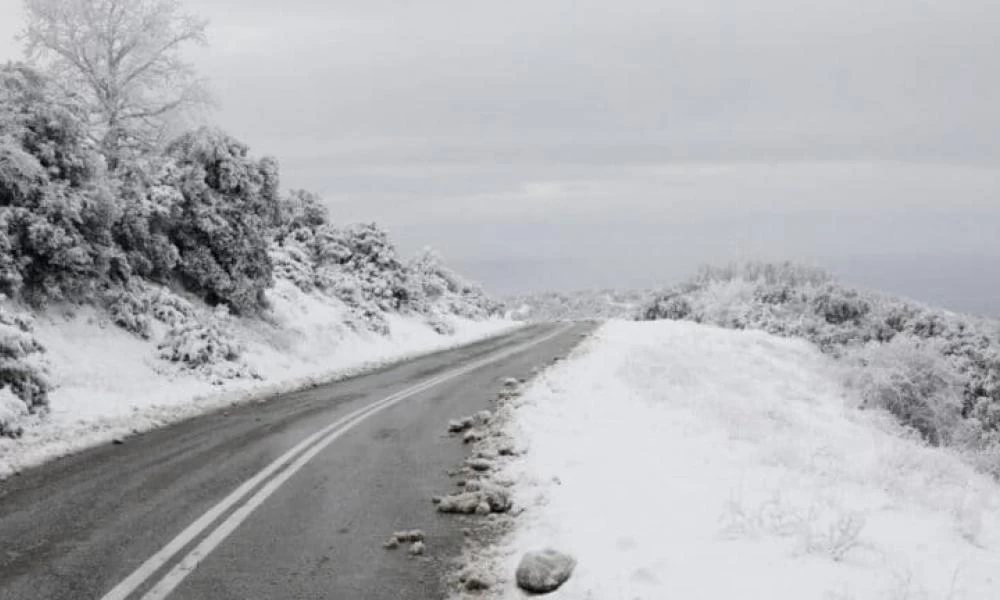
(579, 143)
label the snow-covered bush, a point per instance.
(136, 307)
(130, 311)
(206, 346)
(438, 289)
(145, 226)
(300, 210)
(56, 210)
(937, 371)
(22, 374)
(915, 381)
(221, 222)
(361, 257)
(671, 306)
(198, 344)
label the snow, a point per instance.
(676, 460)
(110, 383)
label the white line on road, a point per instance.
(305, 451)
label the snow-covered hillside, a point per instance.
(137, 279)
(679, 460)
(108, 382)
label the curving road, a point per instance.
(288, 499)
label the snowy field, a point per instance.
(676, 460)
(110, 383)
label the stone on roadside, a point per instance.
(479, 464)
(483, 418)
(545, 571)
(481, 498)
(475, 580)
(464, 503)
(404, 537)
(460, 425)
(472, 436)
(417, 548)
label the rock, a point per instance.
(472, 436)
(460, 425)
(118, 441)
(511, 382)
(464, 503)
(497, 497)
(475, 580)
(417, 549)
(482, 498)
(479, 464)
(483, 418)
(405, 537)
(545, 571)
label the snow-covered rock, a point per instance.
(544, 571)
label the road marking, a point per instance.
(305, 450)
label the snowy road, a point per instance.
(235, 505)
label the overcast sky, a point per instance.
(580, 143)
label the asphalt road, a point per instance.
(267, 501)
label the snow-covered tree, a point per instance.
(301, 209)
(363, 253)
(446, 291)
(56, 212)
(221, 216)
(124, 58)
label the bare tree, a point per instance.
(123, 57)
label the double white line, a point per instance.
(275, 474)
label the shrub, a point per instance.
(221, 220)
(207, 347)
(936, 371)
(672, 307)
(436, 288)
(22, 372)
(913, 381)
(130, 312)
(56, 210)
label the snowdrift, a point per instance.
(678, 460)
